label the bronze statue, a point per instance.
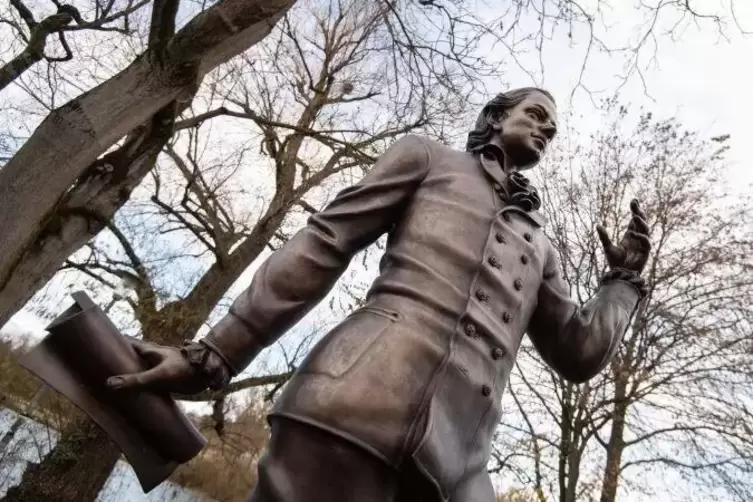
(400, 400)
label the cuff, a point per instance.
(208, 364)
(626, 276)
(231, 340)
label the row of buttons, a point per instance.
(499, 353)
(494, 261)
(470, 328)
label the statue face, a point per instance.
(527, 129)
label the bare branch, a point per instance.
(25, 13)
(243, 384)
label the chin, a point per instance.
(526, 159)
(522, 151)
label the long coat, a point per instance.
(419, 370)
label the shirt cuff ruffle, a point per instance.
(629, 276)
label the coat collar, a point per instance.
(491, 158)
(493, 161)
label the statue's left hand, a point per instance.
(632, 251)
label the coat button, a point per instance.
(500, 237)
(506, 317)
(527, 237)
(498, 353)
(470, 329)
(493, 261)
(497, 187)
(524, 260)
(518, 284)
(486, 390)
(483, 297)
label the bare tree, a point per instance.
(322, 100)
(539, 25)
(139, 104)
(675, 402)
(226, 468)
(33, 32)
(87, 190)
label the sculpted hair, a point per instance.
(483, 131)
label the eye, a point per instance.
(536, 114)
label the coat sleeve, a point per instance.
(299, 275)
(579, 341)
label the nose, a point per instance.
(549, 130)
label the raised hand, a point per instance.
(632, 251)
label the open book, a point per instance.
(83, 349)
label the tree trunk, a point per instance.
(578, 401)
(34, 182)
(74, 471)
(566, 440)
(85, 210)
(616, 444)
(573, 462)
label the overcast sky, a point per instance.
(703, 79)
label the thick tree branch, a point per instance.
(86, 269)
(72, 137)
(25, 13)
(162, 26)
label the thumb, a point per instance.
(135, 380)
(606, 242)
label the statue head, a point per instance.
(522, 122)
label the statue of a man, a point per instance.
(400, 400)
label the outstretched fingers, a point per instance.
(635, 207)
(638, 230)
(639, 222)
(136, 380)
(642, 239)
(606, 242)
(153, 355)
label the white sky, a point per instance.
(703, 80)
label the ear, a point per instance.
(495, 121)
